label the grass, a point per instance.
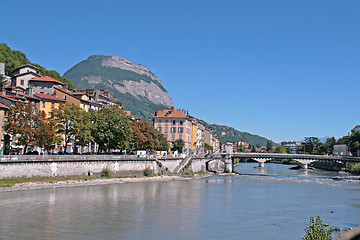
(188, 173)
(9, 182)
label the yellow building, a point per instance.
(194, 129)
(48, 102)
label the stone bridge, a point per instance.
(261, 158)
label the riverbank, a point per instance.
(35, 185)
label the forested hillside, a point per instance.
(230, 134)
(14, 59)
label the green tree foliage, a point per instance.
(317, 230)
(14, 59)
(3, 80)
(241, 148)
(354, 140)
(45, 132)
(161, 142)
(208, 147)
(70, 123)
(143, 135)
(233, 135)
(280, 149)
(111, 129)
(269, 145)
(178, 145)
(21, 123)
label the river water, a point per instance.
(270, 203)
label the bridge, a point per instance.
(261, 158)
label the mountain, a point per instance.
(134, 85)
(14, 59)
(230, 134)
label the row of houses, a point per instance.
(177, 124)
(24, 84)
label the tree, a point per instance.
(310, 144)
(45, 132)
(69, 122)
(3, 80)
(317, 230)
(208, 147)
(143, 135)
(161, 142)
(83, 129)
(354, 140)
(280, 149)
(288, 150)
(241, 148)
(269, 146)
(111, 129)
(20, 123)
(178, 145)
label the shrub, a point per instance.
(354, 168)
(105, 173)
(317, 230)
(148, 172)
(188, 173)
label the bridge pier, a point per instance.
(261, 161)
(304, 163)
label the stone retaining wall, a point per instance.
(77, 165)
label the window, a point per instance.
(52, 104)
(64, 97)
(43, 104)
(180, 130)
(181, 122)
(166, 136)
(22, 82)
(159, 129)
(166, 120)
(180, 136)
(173, 122)
(166, 129)
(159, 120)
(173, 130)
(173, 137)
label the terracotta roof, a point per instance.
(65, 91)
(172, 113)
(47, 96)
(46, 79)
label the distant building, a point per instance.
(341, 150)
(174, 124)
(293, 145)
(21, 76)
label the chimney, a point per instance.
(29, 91)
(65, 86)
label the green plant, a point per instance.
(159, 163)
(317, 230)
(202, 171)
(354, 168)
(188, 173)
(148, 172)
(105, 173)
(227, 171)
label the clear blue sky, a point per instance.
(282, 69)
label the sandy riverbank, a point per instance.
(98, 181)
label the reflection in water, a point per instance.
(273, 202)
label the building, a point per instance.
(43, 85)
(48, 102)
(341, 150)
(293, 145)
(174, 124)
(20, 77)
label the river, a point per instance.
(270, 203)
